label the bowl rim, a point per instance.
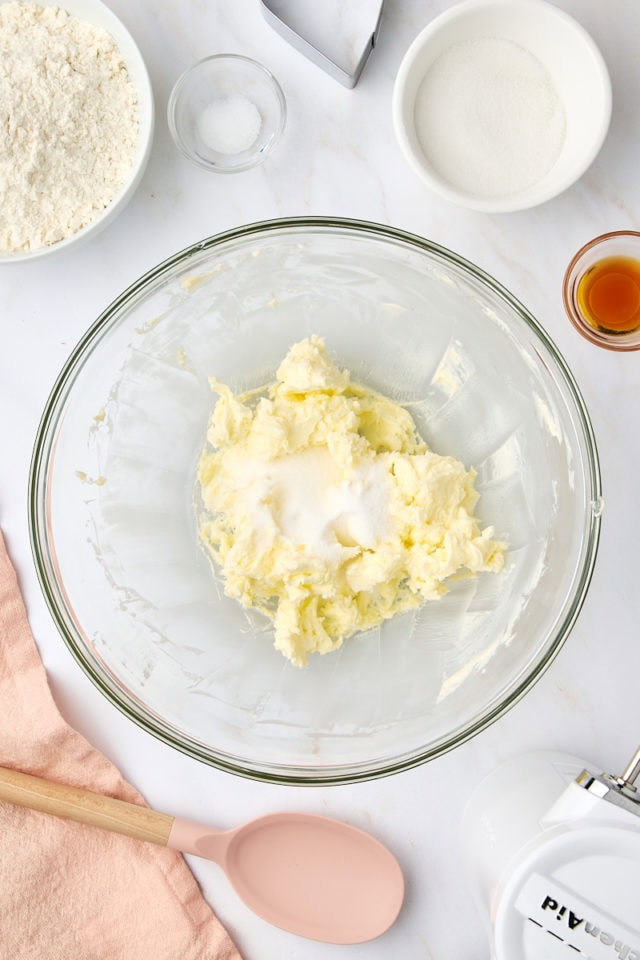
(146, 116)
(299, 775)
(510, 203)
(255, 158)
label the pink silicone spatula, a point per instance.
(311, 875)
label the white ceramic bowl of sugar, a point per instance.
(500, 105)
(99, 15)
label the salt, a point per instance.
(230, 124)
(488, 118)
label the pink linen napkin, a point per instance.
(69, 891)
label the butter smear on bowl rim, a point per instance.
(325, 510)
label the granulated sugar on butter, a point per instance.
(70, 124)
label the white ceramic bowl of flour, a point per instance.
(97, 14)
(500, 105)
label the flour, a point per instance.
(489, 118)
(69, 120)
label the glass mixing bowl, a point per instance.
(113, 517)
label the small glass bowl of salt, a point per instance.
(226, 113)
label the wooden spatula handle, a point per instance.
(84, 807)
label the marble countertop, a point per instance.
(338, 156)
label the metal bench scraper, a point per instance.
(287, 18)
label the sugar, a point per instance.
(488, 117)
(309, 499)
(230, 124)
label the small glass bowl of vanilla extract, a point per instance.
(601, 290)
